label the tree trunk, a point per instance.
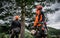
(23, 26)
(23, 20)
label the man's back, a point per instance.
(15, 24)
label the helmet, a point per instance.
(16, 17)
(39, 7)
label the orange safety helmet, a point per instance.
(39, 7)
(16, 17)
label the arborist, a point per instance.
(39, 21)
(39, 16)
(15, 27)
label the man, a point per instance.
(39, 15)
(15, 27)
(39, 20)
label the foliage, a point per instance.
(53, 31)
(28, 2)
(28, 34)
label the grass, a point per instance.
(27, 35)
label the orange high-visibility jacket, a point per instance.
(38, 18)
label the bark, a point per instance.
(23, 20)
(23, 26)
